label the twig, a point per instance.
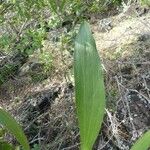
(70, 147)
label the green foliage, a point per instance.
(32, 40)
(117, 2)
(36, 147)
(6, 71)
(46, 59)
(5, 40)
(90, 93)
(22, 18)
(142, 143)
(6, 146)
(37, 77)
(41, 69)
(89, 87)
(7, 121)
(28, 19)
(145, 2)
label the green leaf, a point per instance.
(89, 87)
(6, 146)
(62, 5)
(142, 143)
(7, 121)
(2, 133)
(53, 5)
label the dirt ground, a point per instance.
(125, 53)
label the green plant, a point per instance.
(36, 147)
(89, 87)
(37, 77)
(6, 71)
(5, 39)
(145, 2)
(142, 143)
(90, 92)
(46, 59)
(11, 125)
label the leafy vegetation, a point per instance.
(25, 26)
(145, 2)
(90, 92)
(29, 22)
(7, 121)
(89, 86)
(143, 142)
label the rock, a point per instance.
(105, 25)
(10, 65)
(31, 66)
(36, 66)
(42, 100)
(144, 37)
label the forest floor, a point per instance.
(46, 109)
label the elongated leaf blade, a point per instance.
(142, 143)
(89, 87)
(7, 121)
(6, 146)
